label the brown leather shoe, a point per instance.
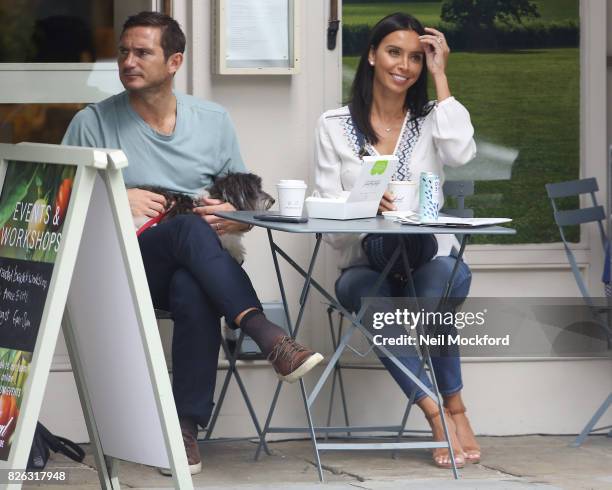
(189, 430)
(291, 360)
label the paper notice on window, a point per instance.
(257, 30)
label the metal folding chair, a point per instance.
(336, 332)
(231, 356)
(573, 217)
(455, 192)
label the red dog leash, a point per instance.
(151, 222)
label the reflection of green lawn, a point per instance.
(528, 100)
(429, 12)
(370, 13)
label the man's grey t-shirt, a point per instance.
(202, 146)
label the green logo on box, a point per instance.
(379, 167)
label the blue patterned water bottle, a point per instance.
(429, 197)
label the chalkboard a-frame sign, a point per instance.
(69, 257)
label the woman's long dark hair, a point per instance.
(361, 91)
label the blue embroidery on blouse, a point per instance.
(350, 133)
(408, 140)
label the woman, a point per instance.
(389, 113)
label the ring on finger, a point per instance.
(218, 226)
(439, 39)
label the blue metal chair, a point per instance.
(458, 190)
(573, 217)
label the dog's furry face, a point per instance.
(241, 190)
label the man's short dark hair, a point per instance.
(172, 37)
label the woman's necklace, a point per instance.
(394, 127)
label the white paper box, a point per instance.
(321, 207)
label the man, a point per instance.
(180, 143)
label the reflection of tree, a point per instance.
(16, 43)
(63, 38)
(476, 14)
(477, 18)
(55, 30)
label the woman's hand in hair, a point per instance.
(436, 56)
(386, 203)
(436, 51)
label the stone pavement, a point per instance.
(513, 463)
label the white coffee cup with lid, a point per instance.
(403, 191)
(291, 194)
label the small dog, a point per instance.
(241, 190)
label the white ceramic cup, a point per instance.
(402, 192)
(291, 194)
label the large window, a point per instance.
(520, 80)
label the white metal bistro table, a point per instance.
(378, 225)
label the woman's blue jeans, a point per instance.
(430, 281)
